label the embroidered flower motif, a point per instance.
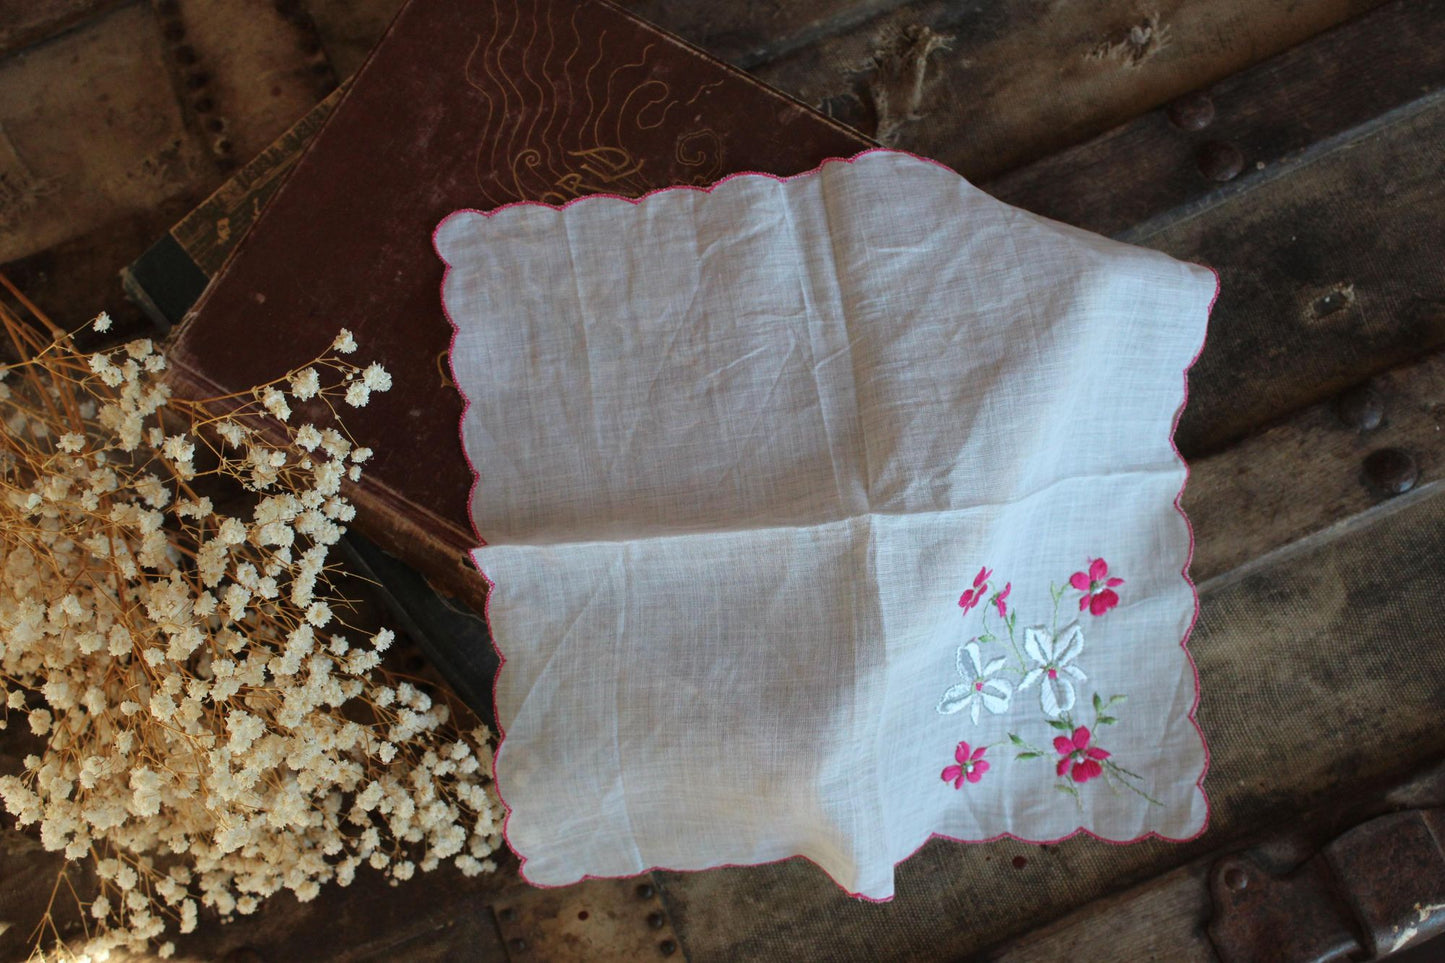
(973, 596)
(998, 600)
(1097, 586)
(1055, 671)
(970, 767)
(1077, 758)
(979, 687)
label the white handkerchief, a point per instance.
(824, 515)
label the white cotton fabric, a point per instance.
(739, 453)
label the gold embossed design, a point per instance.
(557, 125)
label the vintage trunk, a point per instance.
(1295, 147)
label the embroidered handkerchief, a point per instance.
(824, 515)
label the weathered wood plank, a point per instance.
(1317, 675)
(90, 134)
(350, 28)
(1306, 474)
(1165, 918)
(748, 35)
(1288, 105)
(1331, 272)
(1022, 80)
(33, 21)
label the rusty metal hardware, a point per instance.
(595, 920)
(1376, 889)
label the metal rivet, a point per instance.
(667, 947)
(1236, 878)
(1220, 161)
(1391, 471)
(516, 944)
(645, 891)
(1020, 862)
(1361, 408)
(656, 920)
(1191, 112)
(507, 914)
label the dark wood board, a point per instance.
(1331, 271)
(1279, 111)
(1022, 80)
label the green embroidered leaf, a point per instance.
(1013, 737)
(1116, 698)
(1098, 703)
(1107, 720)
(986, 638)
(1029, 755)
(1059, 724)
(1065, 787)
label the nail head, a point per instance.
(1391, 471)
(1220, 161)
(1192, 112)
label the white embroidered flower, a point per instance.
(345, 342)
(979, 688)
(1054, 656)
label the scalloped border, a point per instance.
(502, 658)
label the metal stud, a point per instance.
(1220, 161)
(1391, 471)
(1191, 112)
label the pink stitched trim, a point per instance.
(502, 658)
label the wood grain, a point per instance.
(1279, 111)
(1025, 79)
(1330, 272)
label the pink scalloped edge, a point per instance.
(502, 658)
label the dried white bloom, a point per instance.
(305, 384)
(358, 394)
(203, 734)
(101, 322)
(376, 378)
(345, 342)
(275, 403)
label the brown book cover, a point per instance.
(465, 104)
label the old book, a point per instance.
(465, 104)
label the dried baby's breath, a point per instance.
(213, 730)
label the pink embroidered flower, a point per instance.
(970, 767)
(1098, 588)
(1077, 758)
(973, 596)
(998, 600)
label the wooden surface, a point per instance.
(1316, 645)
